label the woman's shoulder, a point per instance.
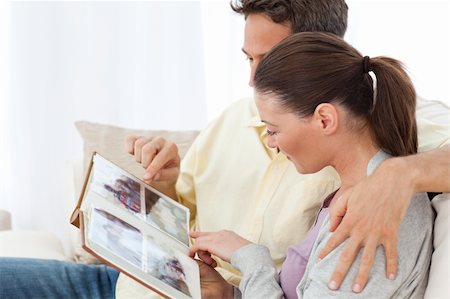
(419, 215)
(414, 251)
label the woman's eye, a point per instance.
(270, 133)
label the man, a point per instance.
(230, 179)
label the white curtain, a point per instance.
(137, 64)
(151, 65)
(4, 96)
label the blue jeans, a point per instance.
(35, 278)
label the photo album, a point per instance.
(136, 229)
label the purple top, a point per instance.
(297, 257)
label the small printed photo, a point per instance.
(110, 183)
(167, 216)
(167, 265)
(117, 236)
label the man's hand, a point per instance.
(160, 159)
(212, 283)
(369, 214)
(222, 244)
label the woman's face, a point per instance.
(298, 138)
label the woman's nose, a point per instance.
(271, 142)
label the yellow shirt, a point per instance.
(231, 180)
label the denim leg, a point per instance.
(37, 278)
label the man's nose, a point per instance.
(252, 74)
(253, 67)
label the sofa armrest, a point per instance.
(28, 244)
(31, 244)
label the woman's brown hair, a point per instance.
(310, 68)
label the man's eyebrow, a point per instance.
(254, 56)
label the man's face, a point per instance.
(261, 35)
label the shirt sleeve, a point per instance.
(185, 186)
(259, 276)
(432, 135)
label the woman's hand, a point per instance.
(222, 244)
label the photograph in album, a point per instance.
(129, 193)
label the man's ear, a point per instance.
(327, 118)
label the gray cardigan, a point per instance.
(260, 278)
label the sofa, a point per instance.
(109, 141)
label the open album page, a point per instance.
(139, 230)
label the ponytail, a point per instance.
(393, 115)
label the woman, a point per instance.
(322, 108)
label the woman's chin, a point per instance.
(301, 169)
(311, 168)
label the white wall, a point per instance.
(415, 32)
(157, 64)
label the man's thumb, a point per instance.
(337, 212)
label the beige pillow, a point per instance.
(109, 141)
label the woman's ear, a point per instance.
(327, 118)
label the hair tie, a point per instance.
(367, 70)
(366, 61)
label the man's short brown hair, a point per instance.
(304, 15)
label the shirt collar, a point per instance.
(255, 122)
(259, 126)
